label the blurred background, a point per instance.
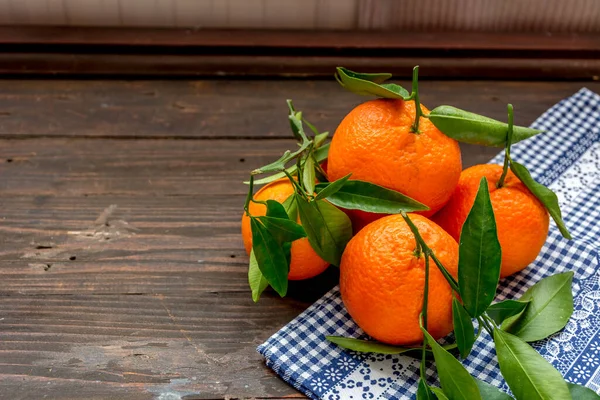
(505, 39)
(401, 15)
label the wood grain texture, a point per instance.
(232, 108)
(203, 52)
(139, 346)
(146, 38)
(123, 271)
(261, 66)
(149, 299)
(80, 167)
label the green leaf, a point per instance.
(311, 126)
(370, 85)
(322, 152)
(472, 128)
(276, 209)
(296, 126)
(372, 77)
(290, 105)
(329, 189)
(328, 228)
(272, 178)
(257, 281)
(463, 328)
(439, 393)
(298, 130)
(308, 175)
(456, 381)
(368, 346)
(270, 256)
(365, 196)
(582, 393)
(489, 392)
(528, 374)
(549, 310)
(278, 222)
(397, 89)
(296, 123)
(424, 391)
(320, 155)
(283, 230)
(277, 165)
(546, 196)
(320, 139)
(287, 250)
(282, 234)
(505, 309)
(291, 207)
(479, 255)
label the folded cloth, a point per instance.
(567, 159)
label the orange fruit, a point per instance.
(305, 263)
(374, 142)
(521, 220)
(382, 280)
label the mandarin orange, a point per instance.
(305, 263)
(522, 221)
(382, 280)
(374, 142)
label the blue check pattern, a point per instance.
(567, 159)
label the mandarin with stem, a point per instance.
(305, 263)
(376, 143)
(382, 279)
(522, 221)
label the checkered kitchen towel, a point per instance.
(567, 159)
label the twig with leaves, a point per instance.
(542, 311)
(327, 228)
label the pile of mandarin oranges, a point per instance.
(381, 274)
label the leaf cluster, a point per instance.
(544, 308)
(314, 204)
(542, 311)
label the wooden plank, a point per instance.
(177, 38)
(177, 52)
(186, 245)
(68, 167)
(140, 347)
(232, 108)
(162, 307)
(185, 66)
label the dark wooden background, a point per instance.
(135, 52)
(150, 298)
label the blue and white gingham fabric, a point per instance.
(567, 159)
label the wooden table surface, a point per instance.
(122, 267)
